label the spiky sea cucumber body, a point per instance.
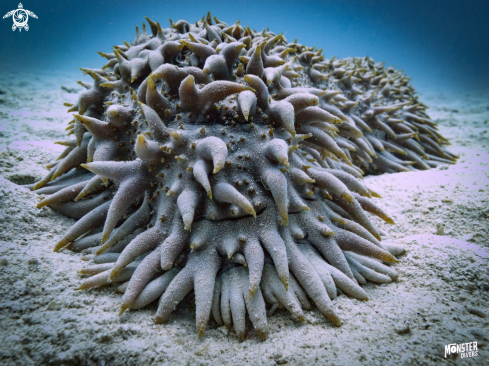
(228, 161)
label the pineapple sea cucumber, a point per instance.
(215, 158)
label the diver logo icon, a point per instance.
(20, 17)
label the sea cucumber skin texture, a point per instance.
(214, 158)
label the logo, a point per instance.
(465, 350)
(20, 17)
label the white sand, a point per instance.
(441, 296)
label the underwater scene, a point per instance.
(255, 182)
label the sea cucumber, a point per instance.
(227, 161)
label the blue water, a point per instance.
(442, 45)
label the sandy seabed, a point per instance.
(440, 298)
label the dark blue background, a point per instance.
(442, 45)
